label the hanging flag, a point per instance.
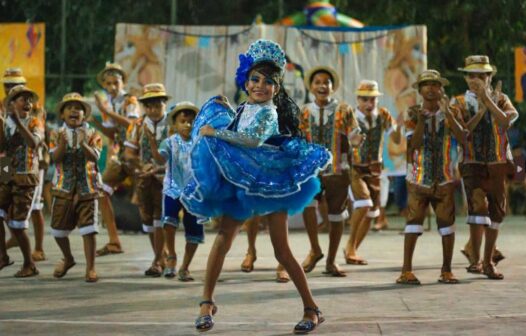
(190, 41)
(357, 48)
(204, 42)
(343, 48)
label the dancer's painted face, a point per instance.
(260, 88)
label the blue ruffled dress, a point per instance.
(248, 169)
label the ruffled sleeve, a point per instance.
(263, 125)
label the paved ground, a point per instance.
(367, 302)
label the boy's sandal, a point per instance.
(491, 272)
(474, 268)
(184, 276)
(38, 256)
(109, 248)
(497, 257)
(154, 271)
(247, 265)
(310, 262)
(91, 277)
(6, 262)
(27, 272)
(206, 322)
(354, 261)
(335, 271)
(62, 268)
(447, 278)
(408, 278)
(169, 272)
(307, 326)
(282, 276)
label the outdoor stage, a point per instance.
(367, 302)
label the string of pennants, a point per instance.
(204, 40)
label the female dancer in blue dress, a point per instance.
(253, 163)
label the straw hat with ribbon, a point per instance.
(478, 64)
(153, 90)
(310, 74)
(429, 76)
(368, 88)
(74, 97)
(111, 67)
(13, 76)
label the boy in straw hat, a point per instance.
(486, 160)
(374, 122)
(75, 149)
(11, 78)
(20, 134)
(329, 123)
(433, 134)
(139, 156)
(174, 152)
(118, 110)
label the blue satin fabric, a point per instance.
(240, 181)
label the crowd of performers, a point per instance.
(265, 160)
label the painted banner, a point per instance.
(520, 74)
(197, 62)
(22, 45)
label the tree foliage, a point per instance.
(455, 28)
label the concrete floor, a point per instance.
(367, 302)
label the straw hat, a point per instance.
(111, 67)
(13, 76)
(184, 105)
(429, 76)
(74, 97)
(368, 88)
(478, 64)
(153, 90)
(17, 91)
(310, 74)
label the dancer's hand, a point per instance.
(207, 130)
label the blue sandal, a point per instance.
(307, 326)
(205, 322)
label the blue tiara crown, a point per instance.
(259, 51)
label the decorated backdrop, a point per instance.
(197, 62)
(22, 45)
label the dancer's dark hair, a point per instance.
(288, 110)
